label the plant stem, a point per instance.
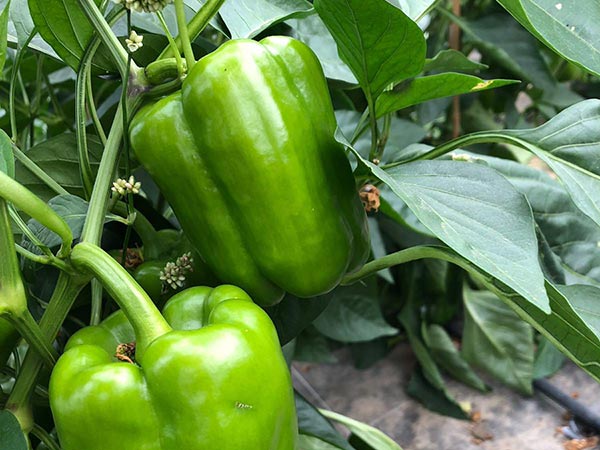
(184, 35)
(108, 37)
(145, 318)
(28, 202)
(172, 44)
(38, 172)
(31, 332)
(13, 86)
(45, 437)
(64, 295)
(196, 25)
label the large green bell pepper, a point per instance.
(218, 382)
(246, 156)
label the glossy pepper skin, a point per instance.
(219, 381)
(246, 156)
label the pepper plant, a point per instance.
(185, 156)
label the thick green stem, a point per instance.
(145, 318)
(64, 295)
(196, 26)
(184, 35)
(31, 332)
(28, 202)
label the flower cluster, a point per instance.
(144, 5)
(123, 187)
(173, 275)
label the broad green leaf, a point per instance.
(354, 315)
(584, 300)
(494, 338)
(478, 213)
(447, 356)
(4, 10)
(11, 436)
(570, 144)
(432, 398)
(7, 161)
(370, 435)
(378, 247)
(312, 423)
(570, 234)
(58, 158)
(312, 31)
(505, 42)
(452, 61)
(548, 359)
(419, 90)
(247, 18)
(65, 26)
(380, 44)
(568, 27)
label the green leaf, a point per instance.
(570, 144)
(452, 61)
(292, 314)
(371, 435)
(478, 213)
(73, 210)
(4, 10)
(312, 346)
(508, 45)
(380, 44)
(7, 160)
(21, 21)
(496, 339)
(65, 26)
(59, 159)
(11, 436)
(312, 31)
(306, 442)
(447, 356)
(312, 423)
(548, 359)
(415, 9)
(569, 233)
(419, 90)
(432, 398)
(247, 18)
(353, 316)
(378, 247)
(569, 28)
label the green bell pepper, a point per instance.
(217, 381)
(246, 156)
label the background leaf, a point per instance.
(354, 315)
(11, 436)
(377, 40)
(7, 161)
(422, 89)
(569, 28)
(247, 18)
(64, 25)
(4, 10)
(496, 339)
(570, 145)
(312, 423)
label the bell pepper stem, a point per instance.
(196, 25)
(32, 205)
(172, 44)
(183, 33)
(145, 318)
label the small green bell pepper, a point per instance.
(246, 156)
(217, 381)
